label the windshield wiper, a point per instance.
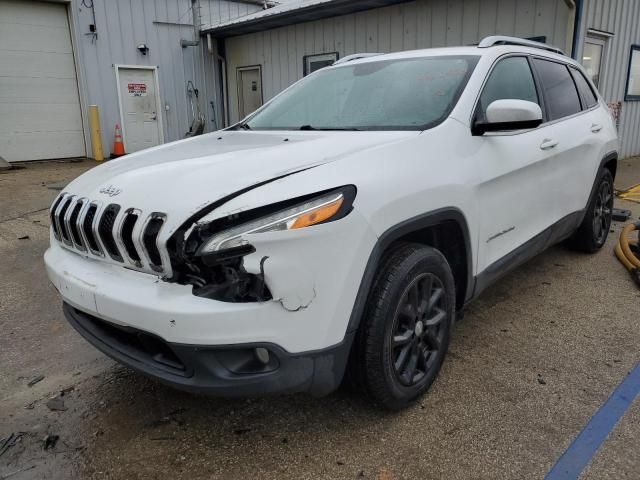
(243, 126)
(310, 127)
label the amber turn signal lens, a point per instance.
(318, 215)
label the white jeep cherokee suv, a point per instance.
(339, 228)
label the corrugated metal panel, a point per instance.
(622, 19)
(160, 24)
(411, 25)
(214, 12)
(288, 13)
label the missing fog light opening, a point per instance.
(262, 354)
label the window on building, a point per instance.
(633, 76)
(311, 63)
(593, 56)
(511, 78)
(561, 96)
(588, 97)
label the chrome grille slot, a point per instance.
(54, 223)
(88, 230)
(150, 234)
(72, 225)
(111, 233)
(126, 235)
(105, 231)
(62, 226)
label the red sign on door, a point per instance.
(137, 89)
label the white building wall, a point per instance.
(622, 19)
(412, 25)
(121, 25)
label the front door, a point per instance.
(516, 186)
(139, 107)
(249, 90)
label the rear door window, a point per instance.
(560, 94)
(588, 97)
(511, 79)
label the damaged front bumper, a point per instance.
(313, 275)
(226, 371)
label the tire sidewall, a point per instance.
(423, 260)
(603, 176)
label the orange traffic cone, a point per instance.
(118, 146)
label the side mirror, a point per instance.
(506, 115)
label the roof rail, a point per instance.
(355, 56)
(503, 40)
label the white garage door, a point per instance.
(39, 107)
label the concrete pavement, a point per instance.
(532, 361)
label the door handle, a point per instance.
(595, 128)
(548, 143)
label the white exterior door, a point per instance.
(40, 115)
(249, 90)
(139, 108)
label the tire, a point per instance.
(594, 229)
(397, 354)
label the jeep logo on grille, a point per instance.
(110, 190)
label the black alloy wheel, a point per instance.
(602, 212)
(592, 233)
(418, 333)
(406, 326)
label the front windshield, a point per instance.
(406, 94)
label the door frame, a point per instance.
(154, 68)
(242, 69)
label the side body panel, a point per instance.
(515, 190)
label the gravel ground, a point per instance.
(533, 359)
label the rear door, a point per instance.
(573, 134)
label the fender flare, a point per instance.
(398, 231)
(606, 159)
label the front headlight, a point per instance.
(311, 212)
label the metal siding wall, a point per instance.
(622, 18)
(121, 26)
(417, 24)
(213, 12)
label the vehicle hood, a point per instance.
(183, 177)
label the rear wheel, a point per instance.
(594, 229)
(405, 331)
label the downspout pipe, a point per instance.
(223, 62)
(577, 26)
(196, 21)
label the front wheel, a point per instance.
(405, 331)
(594, 229)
